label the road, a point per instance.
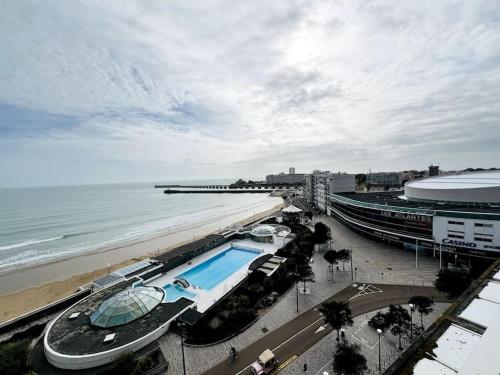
(293, 338)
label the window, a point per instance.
(456, 236)
(456, 222)
(455, 231)
(483, 225)
(483, 239)
(483, 234)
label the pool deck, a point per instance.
(205, 299)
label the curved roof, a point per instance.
(263, 230)
(478, 187)
(126, 306)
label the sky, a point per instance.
(117, 91)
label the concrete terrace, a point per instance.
(370, 257)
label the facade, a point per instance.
(319, 184)
(458, 231)
(308, 188)
(385, 179)
(282, 178)
(433, 170)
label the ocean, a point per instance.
(41, 224)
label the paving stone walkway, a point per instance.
(319, 357)
(375, 262)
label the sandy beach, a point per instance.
(26, 289)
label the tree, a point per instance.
(14, 358)
(309, 215)
(321, 233)
(305, 274)
(344, 255)
(379, 321)
(452, 282)
(423, 305)
(399, 321)
(348, 360)
(331, 256)
(337, 315)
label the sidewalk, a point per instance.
(320, 357)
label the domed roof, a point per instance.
(263, 230)
(474, 187)
(126, 306)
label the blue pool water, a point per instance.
(213, 271)
(174, 292)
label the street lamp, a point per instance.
(296, 275)
(342, 333)
(412, 309)
(181, 327)
(379, 331)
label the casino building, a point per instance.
(453, 217)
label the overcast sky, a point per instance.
(111, 91)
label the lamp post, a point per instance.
(342, 334)
(181, 327)
(379, 331)
(297, 286)
(412, 309)
(352, 274)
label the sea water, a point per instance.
(41, 224)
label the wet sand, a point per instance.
(26, 289)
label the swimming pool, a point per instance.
(174, 292)
(213, 271)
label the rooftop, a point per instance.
(383, 200)
(469, 180)
(79, 337)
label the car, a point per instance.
(266, 363)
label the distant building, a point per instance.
(385, 179)
(319, 184)
(282, 178)
(433, 170)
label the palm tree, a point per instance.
(424, 306)
(337, 315)
(348, 360)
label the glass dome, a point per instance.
(263, 231)
(126, 306)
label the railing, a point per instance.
(387, 278)
(388, 207)
(389, 356)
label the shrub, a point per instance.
(14, 358)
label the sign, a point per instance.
(407, 216)
(447, 241)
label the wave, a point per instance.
(29, 242)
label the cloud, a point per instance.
(178, 89)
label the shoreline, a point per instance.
(25, 289)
